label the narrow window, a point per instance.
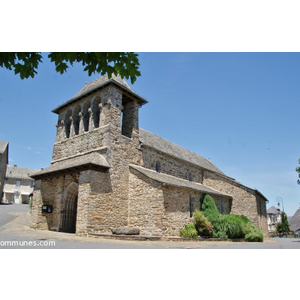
(190, 176)
(158, 167)
(18, 183)
(222, 207)
(192, 205)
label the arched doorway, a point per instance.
(69, 211)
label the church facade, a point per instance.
(106, 172)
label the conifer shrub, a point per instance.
(189, 231)
(203, 226)
(209, 209)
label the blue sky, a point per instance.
(237, 109)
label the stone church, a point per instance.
(106, 172)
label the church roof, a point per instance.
(90, 161)
(176, 182)
(100, 83)
(154, 141)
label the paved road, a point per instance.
(16, 234)
(9, 212)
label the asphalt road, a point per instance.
(16, 234)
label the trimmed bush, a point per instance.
(189, 231)
(202, 224)
(210, 210)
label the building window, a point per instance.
(192, 205)
(32, 184)
(190, 176)
(158, 167)
(222, 207)
(18, 183)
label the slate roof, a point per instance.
(176, 182)
(90, 161)
(273, 210)
(295, 221)
(100, 83)
(154, 141)
(19, 173)
(3, 146)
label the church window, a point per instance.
(192, 205)
(76, 119)
(158, 167)
(222, 207)
(96, 112)
(86, 116)
(68, 123)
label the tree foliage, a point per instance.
(284, 225)
(298, 170)
(202, 224)
(25, 64)
(210, 209)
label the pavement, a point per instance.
(15, 233)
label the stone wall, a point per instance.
(51, 192)
(245, 201)
(171, 165)
(159, 210)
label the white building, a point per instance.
(274, 217)
(18, 186)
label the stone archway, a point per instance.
(69, 211)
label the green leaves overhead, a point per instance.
(23, 63)
(125, 64)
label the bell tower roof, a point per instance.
(100, 83)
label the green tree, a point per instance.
(125, 64)
(284, 225)
(210, 209)
(298, 170)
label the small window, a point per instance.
(192, 205)
(31, 184)
(18, 183)
(158, 167)
(222, 207)
(190, 176)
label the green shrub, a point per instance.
(202, 224)
(209, 209)
(232, 226)
(219, 235)
(189, 231)
(255, 236)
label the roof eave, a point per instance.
(68, 170)
(136, 97)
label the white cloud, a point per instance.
(29, 148)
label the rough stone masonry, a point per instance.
(107, 173)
